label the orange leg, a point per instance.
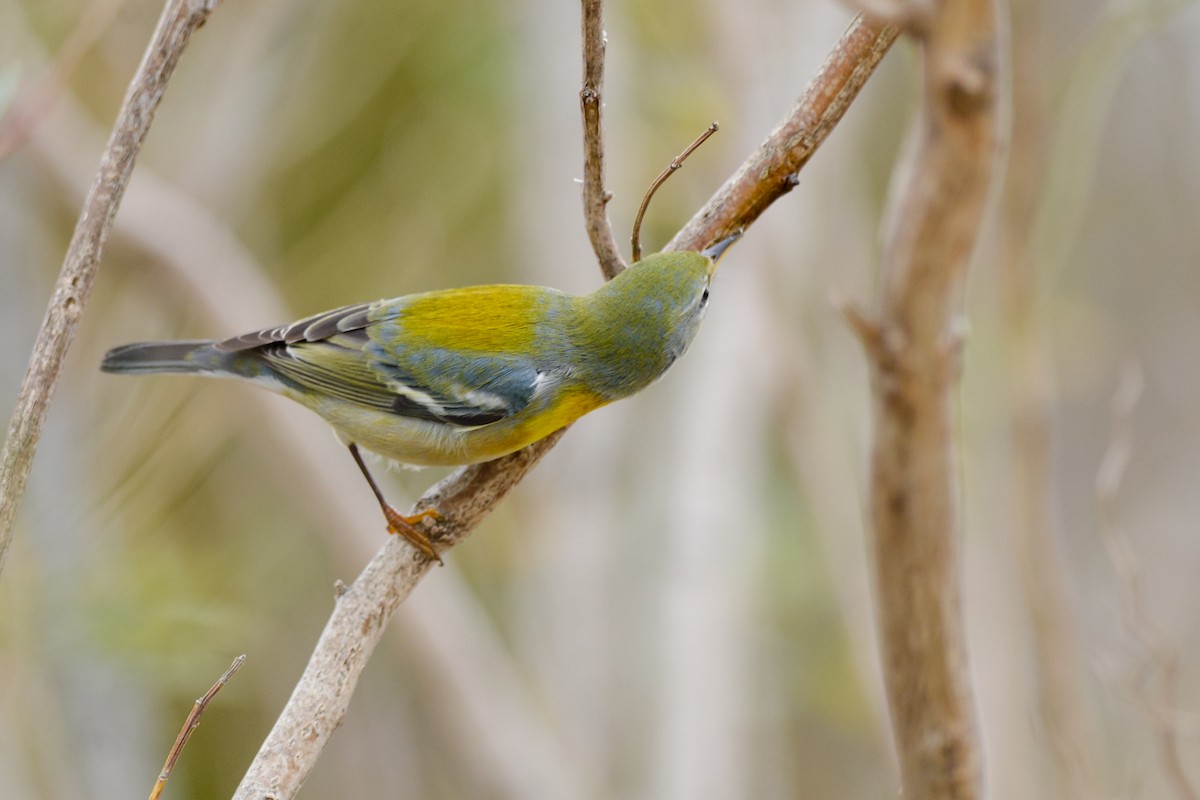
(398, 523)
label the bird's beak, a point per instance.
(715, 251)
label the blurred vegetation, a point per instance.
(676, 604)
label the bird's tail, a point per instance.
(184, 356)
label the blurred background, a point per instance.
(676, 603)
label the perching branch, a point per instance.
(179, 19)
(320, 699)
(913, 345)
(591, 103)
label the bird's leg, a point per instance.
(398, 523)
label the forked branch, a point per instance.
(321, 698)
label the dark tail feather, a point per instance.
(193, 356)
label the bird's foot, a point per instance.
(406, 526)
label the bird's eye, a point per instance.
(704, 297)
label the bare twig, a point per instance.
(320, 699)
(179, 19)
(591, 103)
(190, 724)
(1158, 655)
(914, 359)
(773, 169)
(635, 238)
(39, 97)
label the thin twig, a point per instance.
(635, 238)
(773, 169)
(591, 103)
(179, 19)
(320, 699)
(190, 724)
(914, 491)
(1158, 655)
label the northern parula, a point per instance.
(460, 376)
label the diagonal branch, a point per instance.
(320, 699)
(773, 169)
(179, 19)
(318, 704)
(189, 727)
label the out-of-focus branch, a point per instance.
(913, 346)
(319, 701)
(36, 100)
(773, 169)
(179, 19)
(1036, 534)
(1159, 656)
(591, 103)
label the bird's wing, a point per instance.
(310, 329)
(353, 353)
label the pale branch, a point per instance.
(1035, 531)
(179, 19)
(591, 103)
(913, 342)
(773, 169)
(1159, 656)
(42, 94)
(189, 727)
(360, 615)
(319, 702)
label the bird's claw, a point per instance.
(406, 526)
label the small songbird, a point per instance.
(461, 376)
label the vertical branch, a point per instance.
(913, 347)
(179, 19)
(591, 102)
